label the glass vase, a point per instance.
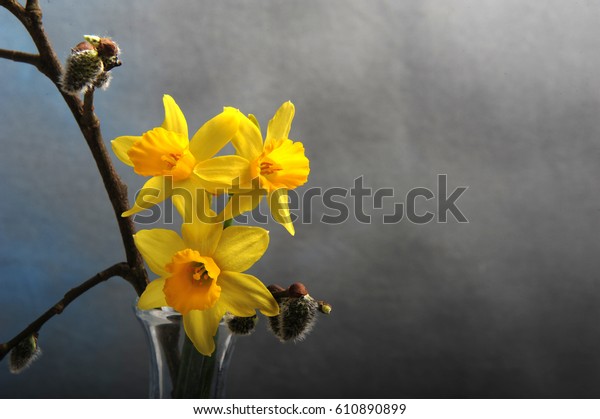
(177, 369)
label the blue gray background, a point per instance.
(502, 96)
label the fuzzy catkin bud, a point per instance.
(296, 318)
(23, 355)
(89, 64)
(274, 325)
(103, 80)
(274, 321)
(82, 69)
(241, 325)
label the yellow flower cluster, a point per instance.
(201, 271)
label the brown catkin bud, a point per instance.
(82, 46)
(297, 290)
(107, 47)
(109, 51)
(275, 288)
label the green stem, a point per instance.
(228, 223)
(195, 376)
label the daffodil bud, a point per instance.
(241, 325)
(296, 318)
(23, 355)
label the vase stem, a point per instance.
(177, 369)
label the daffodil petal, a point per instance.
(174, 118)
(201, 236)
(153, 296)
(280, 210)
(192, 201)
(240, 247)
(219, 174)
(254, 121)
(279, 126)
(213, 135)
(241, 203)
(121, 145)
(201, 229)
(153, 192)
(201, 327)
(241, 294)
(158, 246)
(248, 141)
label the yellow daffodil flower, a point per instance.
(274, 167)
(201, 275)
(166, 154)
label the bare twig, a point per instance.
(49, 65)
(117, 190)
(22, 57)
(120, 269)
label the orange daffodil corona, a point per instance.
(201, 273)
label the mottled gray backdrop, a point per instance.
(502, 96)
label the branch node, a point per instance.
(33, 6)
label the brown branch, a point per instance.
(32, 5)
(49, 65)
(117, 190)
(120, 269)
(31, 19)
(21, 57)
(14, 7)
